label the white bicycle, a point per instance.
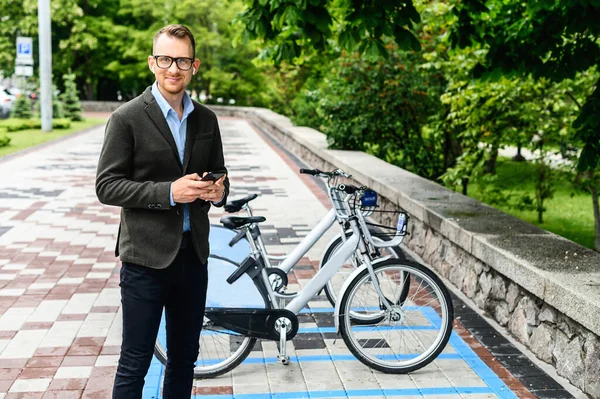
(394, 315)
(278, 266)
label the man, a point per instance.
(156, 148)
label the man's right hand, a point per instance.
(189, 188)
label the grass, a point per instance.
(569, 213)
(24, 139)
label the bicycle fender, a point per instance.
(341, 293)
(329, 244)
(345, 287)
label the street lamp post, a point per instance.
(45, 64)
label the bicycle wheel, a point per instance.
(335, 284)
(221, 350)
(411, 334)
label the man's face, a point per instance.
(173, 80)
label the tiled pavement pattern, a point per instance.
(59, 295)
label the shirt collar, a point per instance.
(165, 107)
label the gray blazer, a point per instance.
(137, 164)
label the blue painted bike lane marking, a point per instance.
(219, 242)
(354, 393)
(470, 357)
(494, 384)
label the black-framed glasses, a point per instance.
(183, 63)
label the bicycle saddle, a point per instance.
(235, 222)
(236, 205)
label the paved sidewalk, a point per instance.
(59, 295)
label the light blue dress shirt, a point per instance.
(179, 130)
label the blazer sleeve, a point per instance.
(217, 162)
(113, 176)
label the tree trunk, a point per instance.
(89, 90)
(540, 211)
(518, 157)
(490, 164)
(465, 184)
(452, 150)
(595, 193)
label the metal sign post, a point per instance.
(24, 60)
(45, 64)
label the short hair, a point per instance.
(178, 31)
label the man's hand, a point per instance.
(189, 188)
(215, 190)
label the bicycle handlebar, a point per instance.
(312, 172)
(348, 188)
(317, 172)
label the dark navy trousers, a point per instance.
(181, 290)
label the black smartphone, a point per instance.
(210, 176)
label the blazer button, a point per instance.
(158, 206)
(178, 212)
(150, 206)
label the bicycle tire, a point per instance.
(381, 364)
(221, 350)
(210, 372)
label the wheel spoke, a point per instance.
(409, 335)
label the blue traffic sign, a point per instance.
(24, 49)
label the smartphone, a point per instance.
(210, 176)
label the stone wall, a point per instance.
(543, 288)
(100, 106)
(553, 337)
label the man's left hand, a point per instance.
(214, 192)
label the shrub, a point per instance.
(380, 107)
(14, 125)
(22, 108)
(61, 123)
(4, 140)
(306, 109)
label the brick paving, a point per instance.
(60, 323)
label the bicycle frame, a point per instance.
(318, 281)
(290, 260)
(324, 274)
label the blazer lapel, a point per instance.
(189, 139)
(154, 112)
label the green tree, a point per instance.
(105, 43)
(22, 108)
(225, 71)
(18, 18)
(57, 106)
(72, 39)
(555, 40)
(70, 98)
(294, 30)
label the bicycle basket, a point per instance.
(339, 204)
(389, 232)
